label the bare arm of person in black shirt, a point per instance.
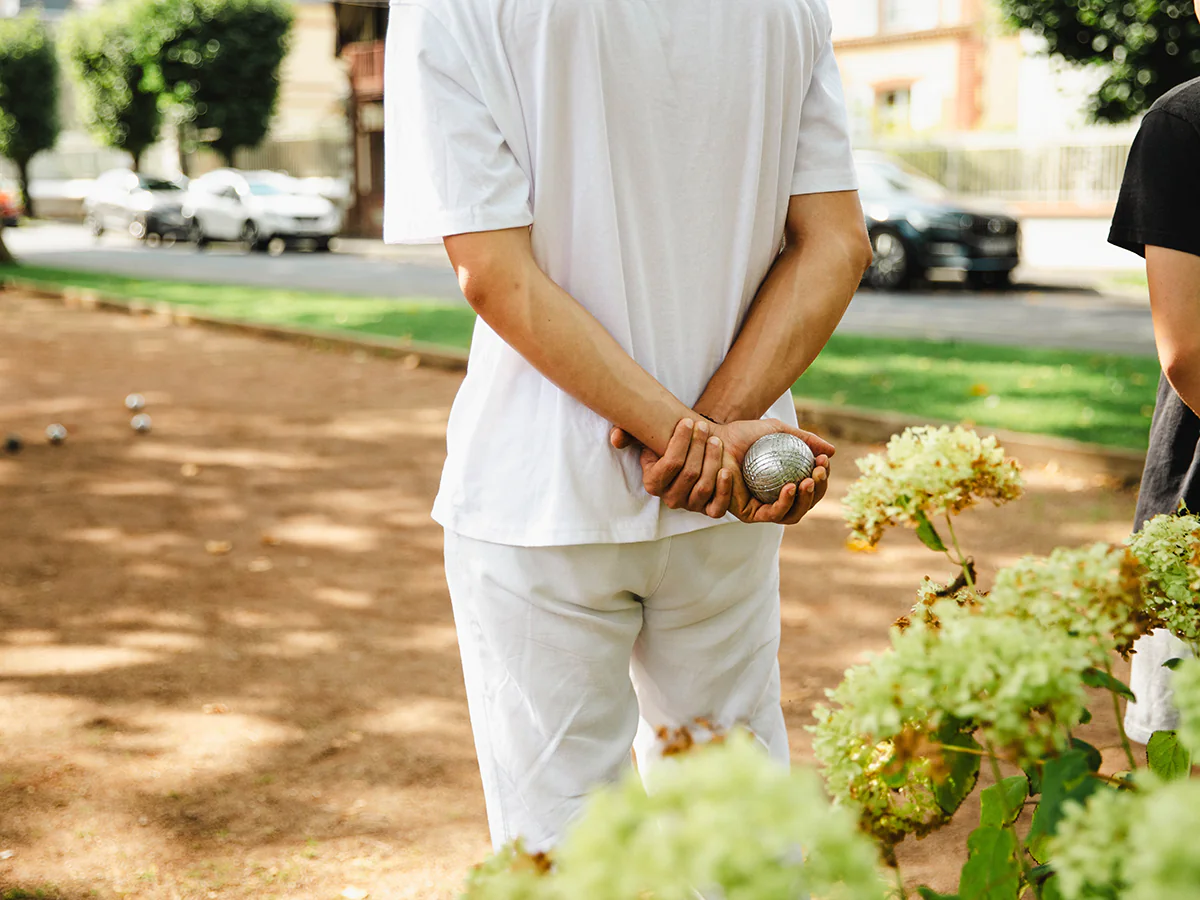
(1175, 302)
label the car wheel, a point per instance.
(989, 281)
(94, 225)
(251, 239)
(196, 234)
(891, 268)
(322, 245)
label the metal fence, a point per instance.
(1083, 173)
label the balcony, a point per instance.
(366, 69)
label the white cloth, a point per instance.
(1151, 685)
(569, 652)
(654, 148)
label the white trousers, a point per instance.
(573, 655)
(1151, 684)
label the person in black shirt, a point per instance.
(1158, 217)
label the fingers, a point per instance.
(776, 512)
(659, 476)
(678, 494)
(816, 443)
(718, 507)
(620, 438)
(706, 485)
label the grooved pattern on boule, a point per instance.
(774, 461)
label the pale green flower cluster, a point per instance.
(723, 819)
(1019, 683)
(1091, 849)
(1163, 863)
(894, 797)
(1093, 592)
(1169, 548)
(1185, 684)
(929, 471)
(930, 593)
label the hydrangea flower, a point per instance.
(1094, 592)
(1169, 548)
(926, 472)
(1185, 684)
(1163, 863)
(724, 819)
(1091, 849)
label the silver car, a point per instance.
(132, 203)
(256, 208)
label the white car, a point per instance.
(255, 208)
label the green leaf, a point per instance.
(1098, 678)
(1168, 758)
(1064, 778)
(962, 769)
(929, 894)
(1049, 890)
(1086, 717)
(1002, 803)
(1094, 758)
(1033, 772)
(928, 534)
(1173, 664)
(993, 871)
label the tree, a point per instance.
(6, 257)
(28, 94)
(1150, 46)
(218, 61)
(105, 52)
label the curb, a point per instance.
(833, 421)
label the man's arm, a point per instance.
(798, 306)
(1175, 303)
(504, 284)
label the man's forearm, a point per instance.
(1175, 303)
(800, 303)
(560, 338)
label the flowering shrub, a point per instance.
(971, 678)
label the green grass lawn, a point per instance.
(1094, 397)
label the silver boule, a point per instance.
(774, 462)
(135, 403)
(56, 433)
(140, 423)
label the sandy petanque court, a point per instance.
(227, 661)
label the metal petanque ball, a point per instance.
(140, 423)
(775, 461)
(13, 444)
(56, 433)
(135, 403)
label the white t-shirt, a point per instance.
(653, 146)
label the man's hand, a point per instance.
(684, 476)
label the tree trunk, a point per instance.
(23, 181)
(6, 258)
(137, 159)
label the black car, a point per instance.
(135, 204)
(916, 225)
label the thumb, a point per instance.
(619, 438)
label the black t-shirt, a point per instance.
(1160, 206)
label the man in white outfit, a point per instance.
(613, 181)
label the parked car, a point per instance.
(917, 225)
(11, 207)
(129, 202)
(255, 208)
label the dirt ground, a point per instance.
(287, 719)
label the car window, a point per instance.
(157, 184)
(262, 189)
(895, 178)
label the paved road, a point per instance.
(1030, 316)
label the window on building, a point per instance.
(893, 112)
(911, 15)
